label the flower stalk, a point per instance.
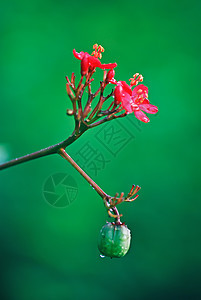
(67, 157)
(124, 101)
(106, 198)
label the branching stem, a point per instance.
(104, 196)
(81, 125)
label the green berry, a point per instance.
(114, 240)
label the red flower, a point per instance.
(134, 101)
(122, 95)
(89, 62)
(140, 102)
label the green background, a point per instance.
(49, 253)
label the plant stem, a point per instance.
(63, 154)
(110, 117)
(43, 152)
(60, 149)
(103, 195)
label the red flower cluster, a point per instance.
(135, 100)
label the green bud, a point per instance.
(114, 240)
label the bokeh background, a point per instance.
(51, 253)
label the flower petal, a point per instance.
(108, 66)
(126, 102)
(110, 75)
(148, 108)
(94, 62)
(140, 89)
(118, 94)
(113, 81)
(141, 116)
(79, 55)
(126, 87)
(84, 65)
(145, 101)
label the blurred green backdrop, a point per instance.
(51, 253)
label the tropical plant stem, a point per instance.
(43, 152)
(60, 149)
(103, 195)
(66, 156)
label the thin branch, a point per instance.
(43, 152)
(63, 153)
(101, 100)
(106, 198)
(79, 109)
(110, 95)
(108, 118)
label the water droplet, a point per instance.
(102, 256)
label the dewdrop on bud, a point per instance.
(110, 77)
(69, 112)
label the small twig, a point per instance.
(110, 95)
(100, 102)
(73, 80)
(79, 109)
(108, 118)
(97, 92)
(78, 87)
(63, 153)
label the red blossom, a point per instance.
(134, 101)
(89, 62)
(122, 95)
